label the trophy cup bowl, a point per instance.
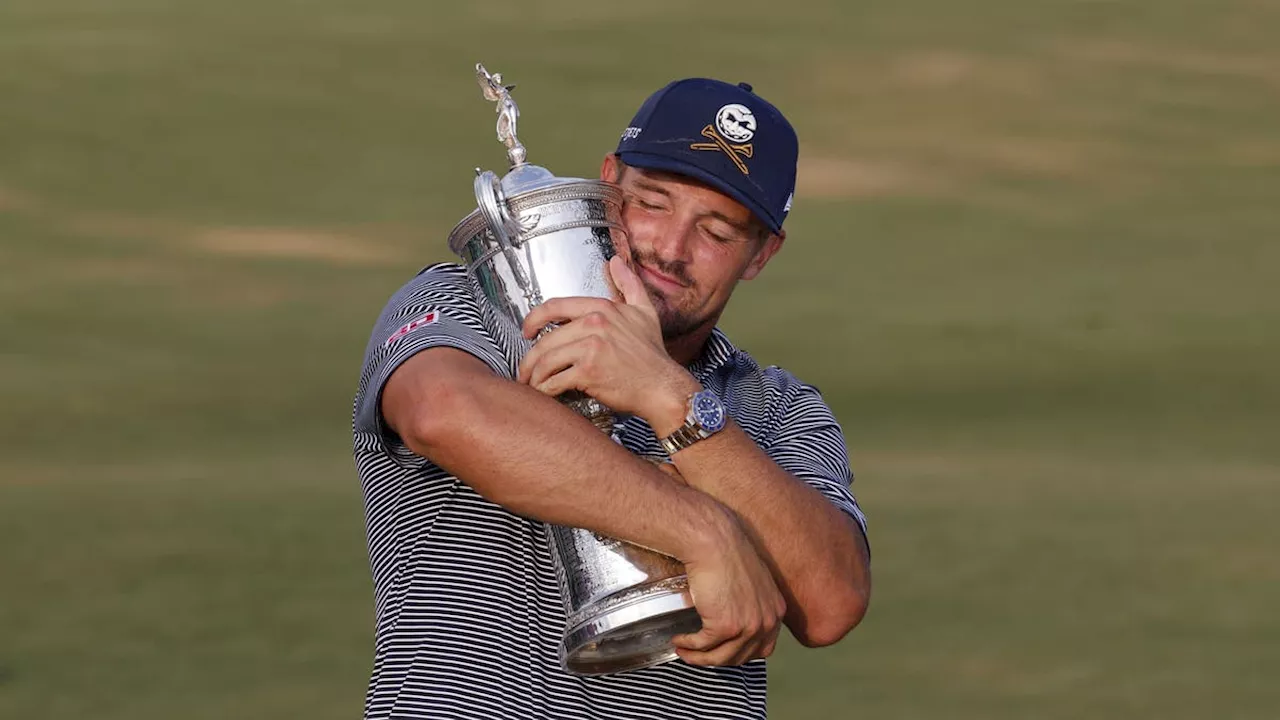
(534, 237)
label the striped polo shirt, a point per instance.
(468, 610)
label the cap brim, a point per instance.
(649, 161)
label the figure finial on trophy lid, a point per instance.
(508, 113)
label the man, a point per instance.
(462, 453)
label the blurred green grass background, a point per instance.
(1032, 264)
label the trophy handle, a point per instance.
(492, 203)
(493, 206)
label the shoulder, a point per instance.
(435, 308)
(443, 287)
(765, 398)
(739, 372)
(438, 300)
(442, 280)
(770, 380)
(444, 272)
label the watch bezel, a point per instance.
(698, 415)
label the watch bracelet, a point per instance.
(682, 438)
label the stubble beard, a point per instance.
(676, 321)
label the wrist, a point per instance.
(711, 528)
(671, 403)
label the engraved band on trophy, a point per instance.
(533, 237)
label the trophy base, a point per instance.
(632, 635)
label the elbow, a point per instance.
(435, 425)
(840, 614)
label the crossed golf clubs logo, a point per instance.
(733, 123)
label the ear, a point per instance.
(609, 167)
(768, 249)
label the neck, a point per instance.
(686, 348)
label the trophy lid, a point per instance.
(526, 178)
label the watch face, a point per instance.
(708, 411)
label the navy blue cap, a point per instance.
(723, 135)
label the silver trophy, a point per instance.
(533, 237)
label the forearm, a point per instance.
(535, 457)
(816, 551)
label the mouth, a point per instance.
(660, 280)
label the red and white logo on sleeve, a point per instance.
(421, 322)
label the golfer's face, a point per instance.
(689, 243)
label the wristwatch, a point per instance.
(705, 417)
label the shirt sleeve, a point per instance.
(810, 445)
(434, 309)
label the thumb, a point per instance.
(628, 283)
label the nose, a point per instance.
(673, 243)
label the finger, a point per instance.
(562, 310)
(760, 646)
(628, 283)
(725, 655)
(557, 359)
(563, 335)
(768, 647)
(562, 382)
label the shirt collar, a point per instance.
(716, 353)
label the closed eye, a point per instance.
(718, 237)
(655, 197)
